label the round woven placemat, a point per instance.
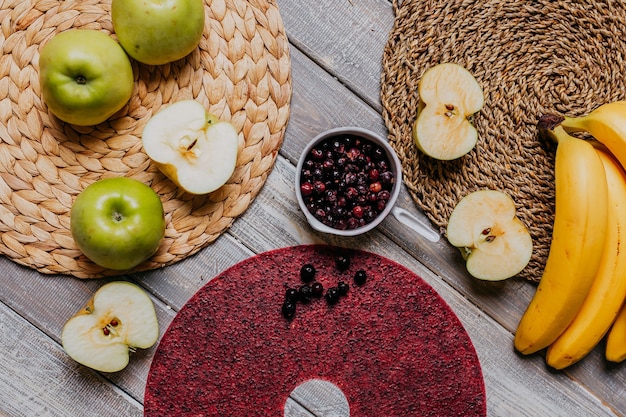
(241, 72)
(531, 58)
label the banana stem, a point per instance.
(549, 121)
(556, 133)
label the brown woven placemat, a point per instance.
(531, 58)
(241, 72)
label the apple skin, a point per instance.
(117, 222)
(156, 32)
(85, 76)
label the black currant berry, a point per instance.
(332, 295)
(288, 309)
(291, 294)
(360, 277)
(305, 293)
(343, 288)
(317, 289)
(307, 273)
(343, 263)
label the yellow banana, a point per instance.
(608, 290)
(577, 243)
(616, 340)
(607, 124)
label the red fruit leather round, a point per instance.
(393, 346)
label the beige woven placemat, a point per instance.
(241, 72)
(531, 58)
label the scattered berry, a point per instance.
(332, 295)
(360, 277)
(291, 294)
(318, 289)
(305, 293)
(289, 309)
(343, 288)
(309, 290)
(307, 273)
(343, 263)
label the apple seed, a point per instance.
(488, 236)
(450, 109)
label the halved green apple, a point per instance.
(195, 149)
(493, 240)
(449, 97)
(119, 318)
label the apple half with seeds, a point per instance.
(493, 240)
(192, 147)
(449, 97)
(118, 319)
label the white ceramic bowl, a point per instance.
(395, 167)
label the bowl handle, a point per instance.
(415, 224)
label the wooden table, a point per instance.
(336, 50)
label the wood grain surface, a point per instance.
(336, 50)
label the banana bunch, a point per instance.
(578, 239)
(582, 294)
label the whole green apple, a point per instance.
(85, 76)
(156, 32)
(117, 222)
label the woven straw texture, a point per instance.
(240, 72)
(531, 58)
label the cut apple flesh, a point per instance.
(192, 147)
(119, 318)
(449, 96)
(494, 241)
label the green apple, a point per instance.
(118, 318)
(156, 32)
(117, 222)
(85, 76)
(195, 149)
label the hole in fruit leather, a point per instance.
(319, 397)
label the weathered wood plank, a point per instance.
(346, 41)
(344, 37)
(49, 301)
